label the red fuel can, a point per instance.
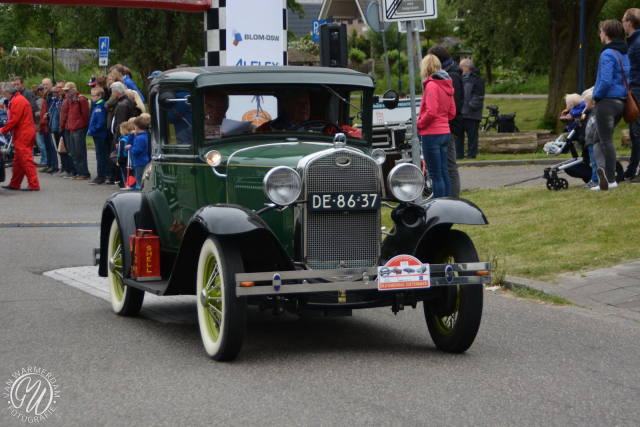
(145, 250)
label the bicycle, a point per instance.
(488, 124)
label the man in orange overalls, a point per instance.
(23, 127)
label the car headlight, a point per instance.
(379, 156)
(405, 182)
(214, 158)
(282, 185)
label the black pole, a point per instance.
(399, 62)
(53, 67)
(581, 46)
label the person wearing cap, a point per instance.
(24, 135)
(154, 75)
(98, 130)
(77, 124)
(43, 127)
(66, 159)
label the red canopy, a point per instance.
(179, 5)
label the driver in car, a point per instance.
(296, 111)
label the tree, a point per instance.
(360, 42)
(539, 32)
(147, 39)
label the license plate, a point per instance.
(343, 201)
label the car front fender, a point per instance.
(125, 207)
(419, 228)
(259, 247)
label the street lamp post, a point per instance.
(51, 32)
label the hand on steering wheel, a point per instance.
(327, 124)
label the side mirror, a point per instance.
(166, 100)
(391, 99)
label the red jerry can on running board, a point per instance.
(145, 251)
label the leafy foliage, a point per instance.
(305, 44)
(27, 63)
(359, 42)
(391, 36)
(356, 55)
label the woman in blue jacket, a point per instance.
(610, 95)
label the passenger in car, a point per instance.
(296, 109)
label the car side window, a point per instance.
(179, 123)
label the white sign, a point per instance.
(403, 272)
(408, 10)
(255, 38)
(400, 114)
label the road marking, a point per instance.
(165, 309)
(50, 224)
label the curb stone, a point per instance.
(523, 162)
(594, 307)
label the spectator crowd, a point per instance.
(57, 119)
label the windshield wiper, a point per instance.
(343, 100)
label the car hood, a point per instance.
(275, 154)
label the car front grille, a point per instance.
(335, 239)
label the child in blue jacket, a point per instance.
(98, 130)
(139, 151)
(126, 129)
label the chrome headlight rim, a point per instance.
(271, 173)
(394, 172)
(213, 158)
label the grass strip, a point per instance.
(535, 295)
(543, 235)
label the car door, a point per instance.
(173, 196)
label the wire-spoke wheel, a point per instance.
(125, 300)
(221, 315)
(427, 192)
(454, 318)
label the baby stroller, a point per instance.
(6, 144)
(578, 166)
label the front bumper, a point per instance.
(368, 276)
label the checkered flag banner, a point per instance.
(217, 32)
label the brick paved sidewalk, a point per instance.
(614, 290)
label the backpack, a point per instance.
(507, 123)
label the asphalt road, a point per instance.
(530, 364)
(472, 178)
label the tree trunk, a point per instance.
(565, 55)
(508, 143)
(487, 67)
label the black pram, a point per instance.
(578, 166)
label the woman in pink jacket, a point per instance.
(437, 108)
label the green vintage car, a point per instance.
(279, 206)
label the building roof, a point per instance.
(303, 26)
(344, 9)
(297, 56)
(213, 76)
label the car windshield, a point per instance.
(321, 109)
